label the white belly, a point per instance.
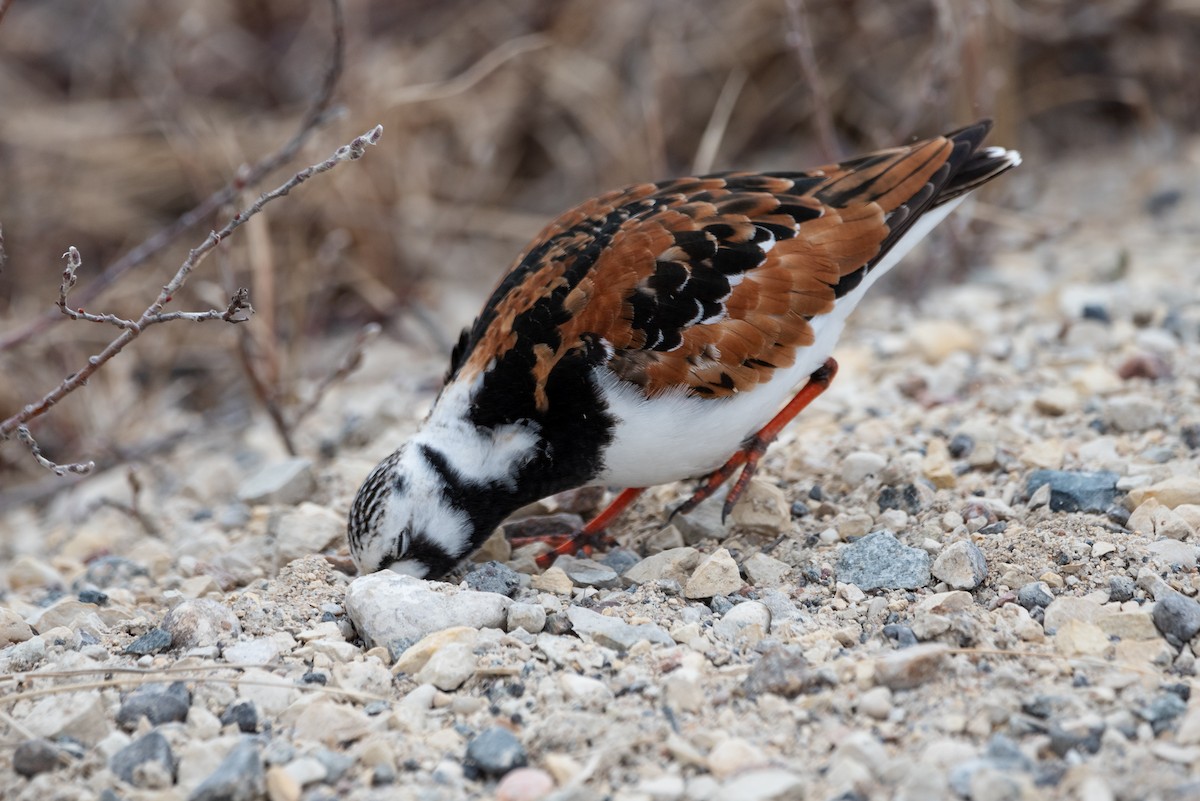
(674, 436)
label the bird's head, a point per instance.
(402, 519)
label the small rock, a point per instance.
(909, 667)
(876, 703)
(494, 577)
(1177, 617)
(286, 483)
(394, 611)
(201, 623)
(259, 651)
(1129, 625)
(154, 641)
(1101, 549)
(762, 509)
(1069, 607)
(1155, 519)
(239, 777)
(664, 539)
(243, 714)
(495, 548)
(1171, 553)
(880, 561)
(734, 755)
(524, 784)
(935, 339)
(784, 671)
(1162, 711)
(26, 572)
(1121, 589)
(587, 572)
(612, 632)
(744, 624)
(861, 465)
(717, 574)
(584, 689)
(281, 786)
(32, 757)
(1132, 414)
(961, 565)
(705, 522)
(553, 580)
(621, 559)
(329, 723)
(495, 751)
(158, 703)
(1075, 491)
(766, 571)
(1035, 595)
(417, 655)
(145, 762)
(765, 784)
(531, 617)
(1056, 401)
(13, 629)
(1079, 638)
(79, 715)
(306, 529)
(676, 564)
(945, 603)
(1173, 492)
(449, 667)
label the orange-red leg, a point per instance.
(590, 536)
(753, 449)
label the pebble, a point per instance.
(1121, 589)
(286, 483)
(1132, 414)
(585, 689)
(717, 574)
(495, 751)
(880, 561)
(876, 703)
(524, 784)
(418, 654)
(1155, 519)
(494, 577)
(766, 571)
(1080, 638)
(961, 565)
(1171, 553)
(857, 467)
(621, 559)
(587, 572)
(449, 667)
(201, 623)
(13, 628)
(936, 339)
(154, 641)
(530, 617)
(612, 632)
(763, 509)
(80, 715)
(664, 539)
(1075, 491)
(35, 756)
(909, 667)
(157, 703)
(281, 786)
(1128, 625)
(705, 521)
(1035, 595)
(676, 564)
(766, 784)
(146, 762)
(543, 526)
(745, 624)
(553, 580)
(394, 611)
(243, 715)
(1070, 607)
(1172, 492)
(239, 777)
(321, 720)
(258, 651)
(784, 671)
(306, 529)
(1177, 617)
(734, 755)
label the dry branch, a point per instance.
(153, 314)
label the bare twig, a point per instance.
(718, 121)
(266, 394)
(3, 252)
(460, 83)
(247, 176)
(134, 507)
(801, 42)
(154, 312)
(80, 468)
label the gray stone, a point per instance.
(495, 751)
(243, 714)
(288, 482)
(201, 623)
(612, 632)
(1168, 553)
(1034, 595)
(1132, 414)
(746, 623)
(717, 574)
(135, 762)
(621, 559)
(1075, 491)
(32, 757)
(705, 521)
(961, 565)
(1120, 588)
(494, 577)
(154, 641)
(1177, 617)
(765, 571)
(909, 667)
(880, 561)
(588, 573)
(239, 777)
(784, 671)
(676, 564)
(304, 530)
(395, 611)
(861, 465)
(531, 617)
(158, 703)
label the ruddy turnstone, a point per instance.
(655, 333)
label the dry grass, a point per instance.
(119, 115)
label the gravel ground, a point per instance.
(969, 572)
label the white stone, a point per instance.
(766, 571)
(676, 563)
(763, 509)
(745, 624)
(585, 690)
(861, 465)
(80, 715)
(531, 617)
(388, 609)
(715, 575)
(734, 755)
(306, 529)
(449, 667)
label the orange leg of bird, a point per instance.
(590, 536)
(753, 449)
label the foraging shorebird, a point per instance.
(659, 332)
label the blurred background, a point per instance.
(118, 116)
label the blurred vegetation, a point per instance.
(116, 116)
